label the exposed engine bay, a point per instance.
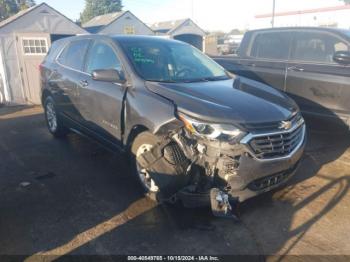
(181, 166)
(201, 171)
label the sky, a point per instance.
(211, 15)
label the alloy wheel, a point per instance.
(51, 117)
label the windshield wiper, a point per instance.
(216, 78)
(162, 81)
(206, 79)
(194, 80)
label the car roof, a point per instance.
(155, 39)
(125, 38)
(301, 28)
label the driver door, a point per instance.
(102, 102)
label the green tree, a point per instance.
(346, 1)
(99, 7)
(8, 8)
(25, 4)
(11, 7)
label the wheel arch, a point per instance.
(134, 132)
(162, 130)
(44, 95)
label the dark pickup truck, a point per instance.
(311, 64)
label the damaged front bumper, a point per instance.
(190, 167)
(256, 177)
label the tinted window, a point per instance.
(317, 47)
(73, 55)
(168, 61)
(53, 51)
(102, 56)
(271, 45)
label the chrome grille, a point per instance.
(277, 144)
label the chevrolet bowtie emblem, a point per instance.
(285, 125)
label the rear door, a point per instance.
(67, 78)
(266, 58)
(102, 102)
(318, 84)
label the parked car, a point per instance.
(312, 65)
(193, 131)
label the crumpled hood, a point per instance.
(239, 100)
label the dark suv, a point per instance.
(194, 131)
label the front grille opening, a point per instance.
(277, 145)
(270, 181)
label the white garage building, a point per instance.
(24, 41)
(119, 23)
(184, 30)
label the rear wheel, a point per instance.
(145, 142)
(54, 124)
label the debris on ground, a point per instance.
(24, 184)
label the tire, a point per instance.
(144, 141)
(53, 122)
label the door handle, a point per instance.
(84, 83)
(295, 68)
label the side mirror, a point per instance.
(342, 57)
(108, 75)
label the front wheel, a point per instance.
(143, 143)
(54, 124)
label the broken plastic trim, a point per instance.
(220, 205)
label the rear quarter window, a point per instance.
(53, 52)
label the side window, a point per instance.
(340, 46)
(274, 45)
(73, 55)
(102, 56)
(317, 47)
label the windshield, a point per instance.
(163, 61)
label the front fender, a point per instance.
(149, 111)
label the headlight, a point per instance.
(211, 131)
